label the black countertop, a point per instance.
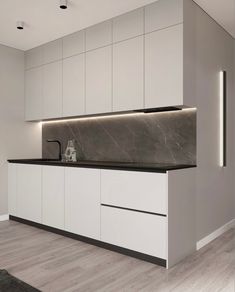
(131, 166)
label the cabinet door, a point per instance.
(99, 81)
(74, 44)
(29, 193)
(137, 231)
(52, 51)
(52, 90)
(33, 94)
(99, 35)
(135, 190)
(12, 189)
(33, 57)
(53, 196)
(74, 86)
(164, 67)
(82, 201)
(128, 25)
(128, 75)
(162, 14)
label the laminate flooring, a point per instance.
(54, 263)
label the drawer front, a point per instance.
(137, 231)
(135, 190)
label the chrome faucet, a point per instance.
(60, 148)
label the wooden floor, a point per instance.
(54, 263)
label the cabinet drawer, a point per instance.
(135, 190)
(133, 230)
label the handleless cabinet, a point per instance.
(12, 189)
(162, 14)
(29, 192)
(34, 94)
(99, 80)
(82, 201)
(53, 196)
(33, 58)
(99, 35)
(145, 233)
(128, 25)
(52, 90)
(128, 68)
(74, 44)
(164, 67)
(74, 86)
(135, 190)
(52, 51)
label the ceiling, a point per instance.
(45, 21)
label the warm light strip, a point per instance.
(221, 119)
(110, 116)
(91, 118)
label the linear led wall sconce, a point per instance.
(223, 118)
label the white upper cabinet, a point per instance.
(164, 67)
(162, 14)
(29, 192)
(52, 90)
(52, 51)
(128, 74)
(82, 201)
(74, 86)
(33, 94)
(99, 35)
(74, 44)
(53, 196)
(99, 81)
(128, 25)
(33, 58)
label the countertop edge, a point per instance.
(100, 166)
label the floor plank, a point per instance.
(53, 263)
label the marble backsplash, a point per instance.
(167, 137)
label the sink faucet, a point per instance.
(60, 148)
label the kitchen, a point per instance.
(142, 106)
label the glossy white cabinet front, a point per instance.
(82, 201)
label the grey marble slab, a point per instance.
(167, 137)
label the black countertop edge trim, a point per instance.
(133, 210)
(108, 246)
(100, 166)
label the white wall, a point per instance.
(18, 139)
(212, 51)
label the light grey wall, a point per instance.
(18, 139)
(209, 49)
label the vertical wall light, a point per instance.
(223, 111)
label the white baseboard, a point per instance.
(4, 217)
(204, 241)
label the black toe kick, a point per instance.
(121, 250)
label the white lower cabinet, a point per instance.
(82, 201)
(150, 213)
(145, 233)
(53, 196)
(29, 192)
(12, 189)
(143, 191)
